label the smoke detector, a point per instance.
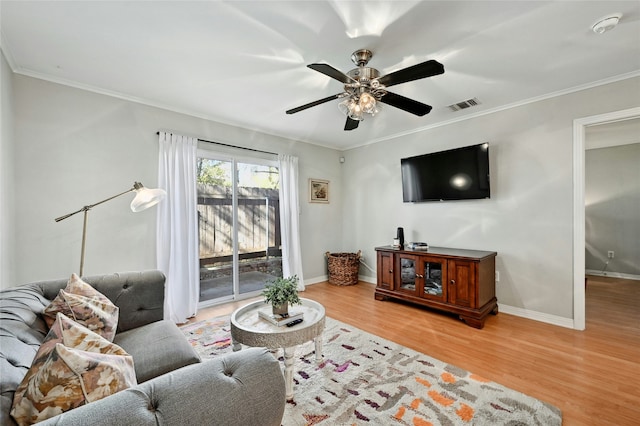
(607, 23)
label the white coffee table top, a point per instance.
(248, 328)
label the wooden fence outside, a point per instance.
(258, 224)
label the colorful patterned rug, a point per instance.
(367, 380)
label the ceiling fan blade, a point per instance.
(314, 103)
(351, 124)
(415, 72)
(332, 72)
(406, 104)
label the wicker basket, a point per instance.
(343, 268)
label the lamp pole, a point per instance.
(157, 196)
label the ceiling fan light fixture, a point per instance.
(355, 111)
(351, 108)
(368, 103)
(344, 106)
(607, 23)
(357, 105)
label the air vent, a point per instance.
(464, 104)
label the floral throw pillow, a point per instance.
(74, 366)
(85, 305)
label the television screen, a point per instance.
(456, 174)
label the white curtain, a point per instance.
(290, 218)
(177, 229)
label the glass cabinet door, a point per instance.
(432, 279)
(422, 276)
(408, 268)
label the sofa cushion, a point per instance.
(157, 348)
(69, 378)
(73, 366)
(85, 305)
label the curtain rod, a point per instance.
(233, 146)
(236, 146)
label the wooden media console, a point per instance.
(453, 280)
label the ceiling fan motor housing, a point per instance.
(366, 78)
(364, 75)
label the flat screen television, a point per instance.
(455, 174)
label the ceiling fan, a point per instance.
(364, 88)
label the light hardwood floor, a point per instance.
(593, 376)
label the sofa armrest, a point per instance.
(139, 295)
(241, 388)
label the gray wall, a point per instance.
(7, 212)
(74, 147)
(612, 197)
(529, 218)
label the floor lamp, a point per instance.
(144, 199)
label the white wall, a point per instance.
(529, 218)
(612, 196)
(74, 148)
(7, 212)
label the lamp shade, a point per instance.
(146, 198)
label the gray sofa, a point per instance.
(174, 386)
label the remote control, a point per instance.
(294, 322)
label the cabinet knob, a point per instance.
(453, 281)
(391, 271)
(419, 276)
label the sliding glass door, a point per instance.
(239, 226)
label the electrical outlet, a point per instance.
(497, 276)
(611, 254)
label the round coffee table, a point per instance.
(249, 329)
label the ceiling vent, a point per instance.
(464, 104)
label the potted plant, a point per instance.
(282, 292)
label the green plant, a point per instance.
(282, 290)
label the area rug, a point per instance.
(367, 380)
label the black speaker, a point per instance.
(400, 236)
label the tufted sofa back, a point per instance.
(139, 295)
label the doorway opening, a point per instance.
(579, 232)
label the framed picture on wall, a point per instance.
(318, 191)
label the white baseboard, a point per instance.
(612, 274)
(324, 278)
(316, 280)
(537, 316)
(368, 279)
